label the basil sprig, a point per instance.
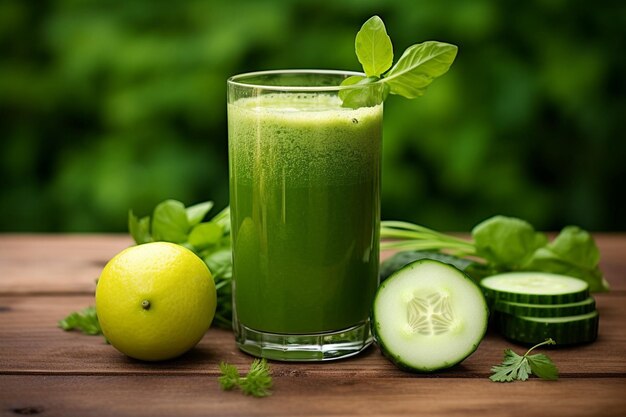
(418, 66)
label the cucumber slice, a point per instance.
(570, 330)
(546, 310)
(428, 315)
(534, 288)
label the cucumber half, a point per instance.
(546, 310)
(428, 316)
(534, 288)
(571, 330)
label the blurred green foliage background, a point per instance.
(110, 105)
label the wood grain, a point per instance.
(158, 395)
(44, 370)
(54, 264)
(31, 343)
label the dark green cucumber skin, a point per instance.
(397, 360)
(531, 332)
(496, 296)
(545, 310)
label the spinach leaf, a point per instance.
(169, 222)
(506, 241)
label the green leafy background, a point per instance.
(110, 105)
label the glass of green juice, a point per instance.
(305, 213)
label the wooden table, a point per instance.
(44, 370)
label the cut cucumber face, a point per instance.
(534, 288)
(428, 315)
(570, 330)
(546, 310)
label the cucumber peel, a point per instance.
(428, 316)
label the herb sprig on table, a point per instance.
(517, 368)
(256, 383)
(85, 321)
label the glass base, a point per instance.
(308, 347)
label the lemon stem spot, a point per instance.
(145, 304)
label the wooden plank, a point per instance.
(34, 264)
(70, 264)
(30, 342)
(335, 396)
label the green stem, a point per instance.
(466, 250)
(390, 227)
(547, 342)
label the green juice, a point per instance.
(304, 196)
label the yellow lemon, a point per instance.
(155, 301)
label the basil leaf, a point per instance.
(139, 229)
(365, 96)
(205, 235)
(418, 66)
(373, 47)
(196, 213)
(169, 222)
(506, 241)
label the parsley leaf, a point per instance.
(516, 367)
(256, 383)
(85, 321)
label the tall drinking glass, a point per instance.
(305, 213)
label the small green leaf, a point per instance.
(418, 66)
(223, 219)
(573, 252)
(196, 213)
(229, 378)
(205, 235)
(169, 222)
(257, 381)
(139, 228)
(516, 367)
(543, 367)
(85, 321)
(506, 241)
(373, 47)
(366, 92)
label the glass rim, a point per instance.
(238, 80)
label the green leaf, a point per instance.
(221, 266)
(543, 367)
(205, 235)
(139, 229)
(373, 47)
(85, 321)
(506, 241)
(516, 367)
(418, 66)
(229, 378)
(257, 382)
(573, 252)
(365, 92)
(169, 222)
(508, 370)
(196, 213)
